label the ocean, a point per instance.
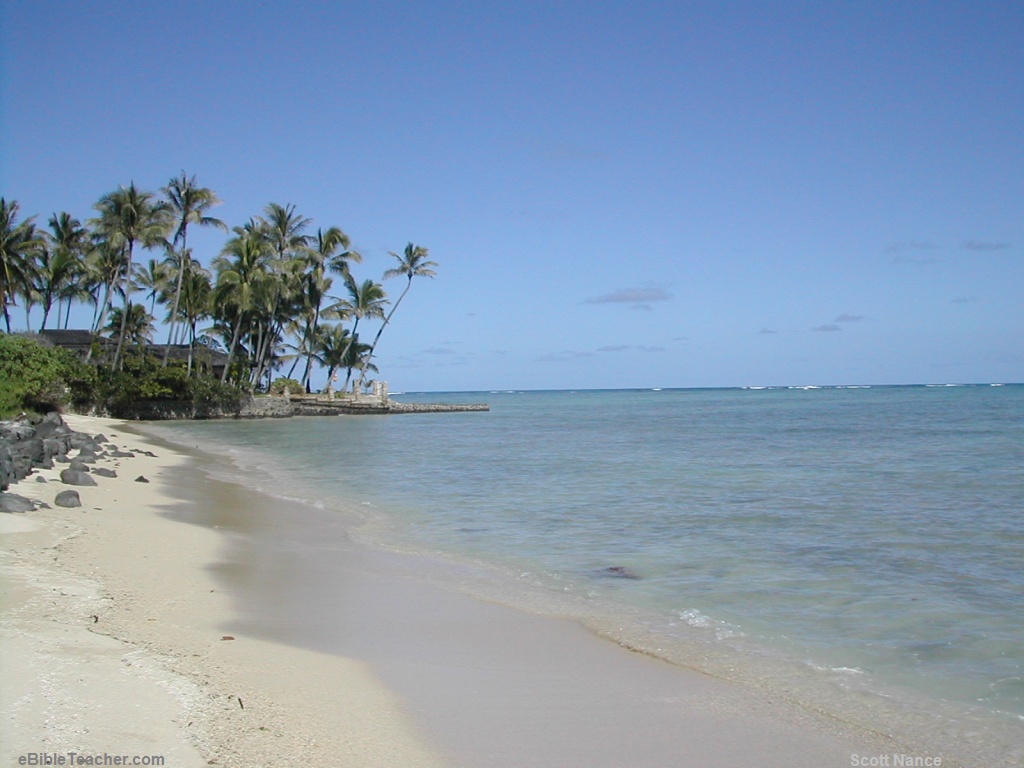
(856, 549)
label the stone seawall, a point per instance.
(270, 407)
(327, 408)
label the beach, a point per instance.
(179, 618)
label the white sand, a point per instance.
(110, 644)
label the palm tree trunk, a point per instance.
(47, 305)
(373, 346)
(124, 315)
(98, 320)
(231, 349)
(191, 347)
(310, 335)
(177, 299)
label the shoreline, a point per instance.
(492, 685)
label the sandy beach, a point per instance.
(126, 630)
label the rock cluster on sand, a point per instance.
(38, 442)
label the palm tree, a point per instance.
(322, 255)
(366, 299)
(240, 267)
(129, 216)
(329, 346)
(62, 265)
(105, 269)
(412, 263)
(334, 347)
(20, 243)
(152, 278)
(195, 304)
(283, 227)
(189, 204)
(136, 322)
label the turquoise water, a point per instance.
(871, 538)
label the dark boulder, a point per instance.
(104, 472)
(74, 477)
(77, 440)
(78, 465)
(6, 468)
(32, 447)
(68, 499)
(11, 502)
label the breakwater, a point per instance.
(305, 407)
(270, 407)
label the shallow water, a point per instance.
(859, 549)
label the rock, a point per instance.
(74, 477)
(617, 572)
(15, 431)
(6, 468)
(68, 499)
(76, 440)
(100, 438)
(40, 479)
(121, 454)
(104, 472)
(36, 443)
(141, 479)
(78, 465)
(32, 447)
(11, 502)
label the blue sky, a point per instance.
(642, 194)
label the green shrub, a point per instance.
(144, 379)
(34, 377)
(38, 378)
(278, 385)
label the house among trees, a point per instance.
(80, 342)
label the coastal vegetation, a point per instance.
(277, 295)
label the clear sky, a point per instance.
(619, 194)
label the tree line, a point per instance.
(267, 295)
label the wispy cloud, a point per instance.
(563, 356)
(845, 318)
(911, 245)
(628, 347)
(965, 300)
(985, 245)
(913, 252)
(767, 332)
(827, 328)
(635, 298)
